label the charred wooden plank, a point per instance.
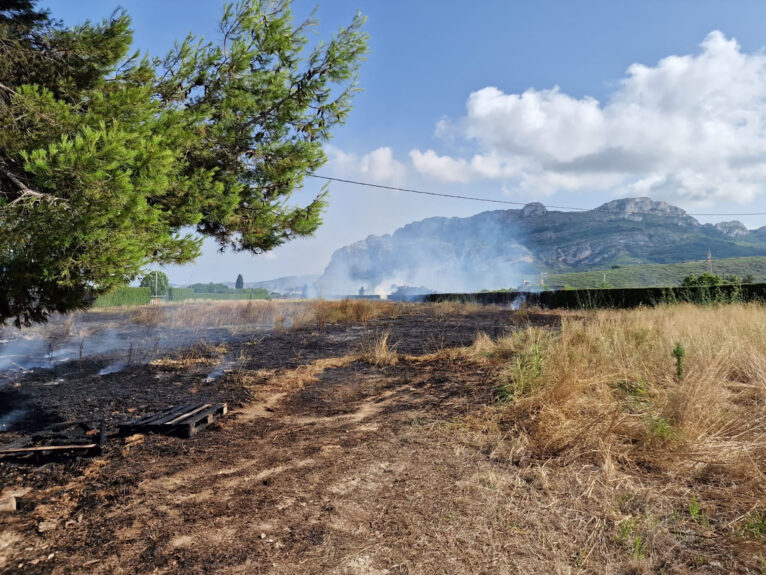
(153, 418)
(84, 424)
(177, 414)
(186, 415)
(101, 436)
(39, 448)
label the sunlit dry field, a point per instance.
(377, 438)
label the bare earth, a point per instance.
(331, 464)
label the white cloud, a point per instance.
(692, 128)
(440, 167)
(378, 166)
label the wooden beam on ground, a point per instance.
(41, 448)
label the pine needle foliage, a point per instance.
(108, 158)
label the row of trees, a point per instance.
(159, 285)
(713, 280)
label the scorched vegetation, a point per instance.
(379, 438)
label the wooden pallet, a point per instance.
(184, 420)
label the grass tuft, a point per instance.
(380, 352)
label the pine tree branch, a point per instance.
(7, 89)
(26, 191)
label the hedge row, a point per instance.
(180, 294)
(614, 297)
(142, 296)
(189, 294)
(124, 296)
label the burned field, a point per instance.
(369, 440)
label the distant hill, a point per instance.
(498, 249)
(287, 284)
(647, 275)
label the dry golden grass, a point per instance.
(224, 314)
(352, 311)
(275, 314)
(300, 376)
(604, 388)
(443, 308)
(380, 351)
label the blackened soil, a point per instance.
(337, 407)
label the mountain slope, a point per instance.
(501, 248)
(286, 284)
(650, 275)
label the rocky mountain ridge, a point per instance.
(502, 248)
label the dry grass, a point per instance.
(271, 314)
(352, 311)
(224, 314)
(604, 389)
(445, 308)
(379, 352)
(300, 376)
(275, 314)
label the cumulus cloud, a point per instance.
(378, 166)
(443, 167)
(691, 128)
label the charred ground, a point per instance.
(339, 457)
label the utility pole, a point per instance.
(709, 262)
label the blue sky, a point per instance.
(566, 102)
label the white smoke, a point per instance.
(11, 418)
(76, 338)
(518, 301)
(437, 255)
(116, 367)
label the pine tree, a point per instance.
(20, 13)
(106, 157)
(240, 283)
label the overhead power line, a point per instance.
(493, 201)
(474, 198)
